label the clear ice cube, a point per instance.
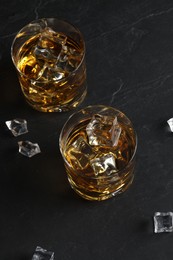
(69, 58)
(49, 46)
(55, 56)
(115, 132)
(103, 131)
(79, 160)
(42, 254)
(50, 73)
(104, 165)
(47, 52)
(163, 222)
(17, 126)
(81, 145)
(80, 153)
(28, 148)
(170, 123)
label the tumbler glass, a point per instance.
(98, 145)
(49, 55)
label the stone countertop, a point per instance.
(130, 67)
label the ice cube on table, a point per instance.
(42, 254)
(28, 148)
(163, 222)
(103, 131)
(17, 126)
(104, 165)
(170, 123)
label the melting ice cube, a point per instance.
(104, 165)
(42, 254)
(80, 152)
(103, 130)
(17, 126)
(28, 148)
(163, 222)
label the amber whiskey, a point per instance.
(98, 169)
(52, 71)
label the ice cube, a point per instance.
(69, 58)
(50, 73)
(42, 254)
(115, 132)
(79, 153)
(49, 45)
(104, 165)
(28, 148)
(170, 123)
(79, 160)
(47, 54)
(17, 126)
(103, 131)
(81, 145)
(57, 74)
(53, 48)
(163, 222)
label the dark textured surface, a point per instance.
(129, 66)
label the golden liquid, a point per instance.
(84, 180)
(48, 93)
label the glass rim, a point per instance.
(98, 106)
(42, 81)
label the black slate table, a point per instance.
(129, 66)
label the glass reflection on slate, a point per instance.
(42, 254)
(17, 126)
(163, 222)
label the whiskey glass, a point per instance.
(49, 55)
(98, 145)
